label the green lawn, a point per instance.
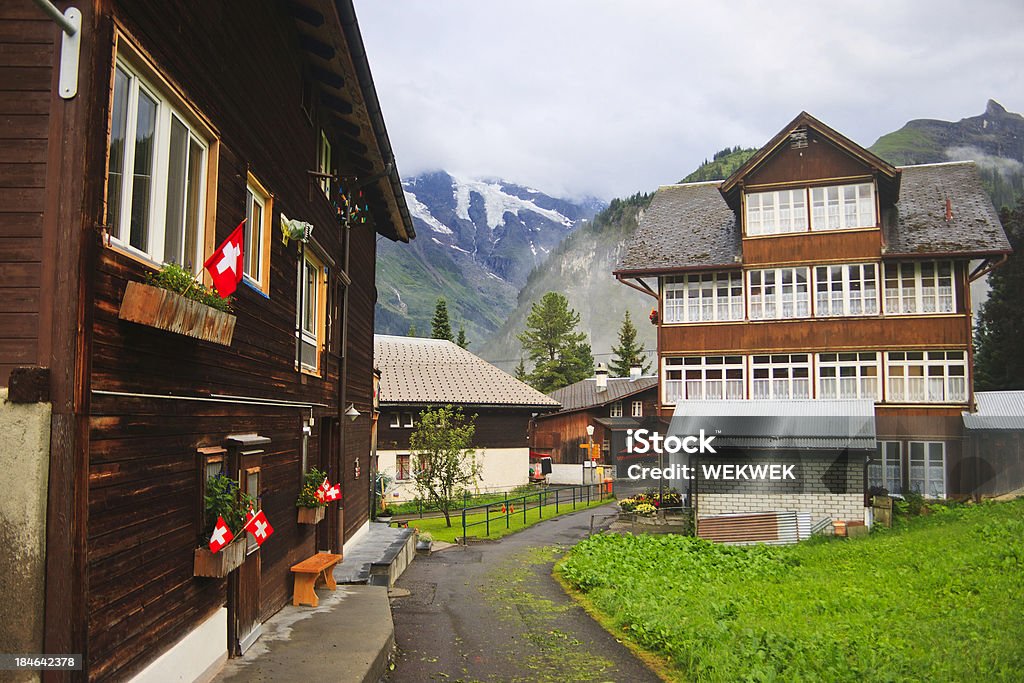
(436, 525)
(941, 598)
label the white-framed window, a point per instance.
(396, 421)
(323, 162)
(615, 410)
(928, 468)
(775, 213)
(919, 287)
(926, 376)
(850, 289)
(780, 376)
(884, 470)
(637, 409)
(779, 293)
(157, 173)
(704, 377)
(849, 375)
(701, 297)
(839, 207)
(258, 210)
(312, 312)
(408, 420)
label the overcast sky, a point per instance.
(605, 97)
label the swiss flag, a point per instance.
(257, 525)
(321, 492)
(333, 493)
(225, 264)
(221, 536)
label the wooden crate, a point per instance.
(166, 310)
(311, 515)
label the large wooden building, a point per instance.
(170, 124)
(820, 273)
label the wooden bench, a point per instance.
(309, 573)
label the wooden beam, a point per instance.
(305, 14)
(329, 78)
(316, 47)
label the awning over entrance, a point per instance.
(617, 423)
(774, 425)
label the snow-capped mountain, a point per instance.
(477, 241)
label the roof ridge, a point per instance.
(939, 163)
(693, 184)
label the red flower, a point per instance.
(654, 316)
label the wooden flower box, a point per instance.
(311, 515)
(219, 565)
(167, 310)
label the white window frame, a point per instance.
(704, 378)
(615, 409)
(920, 287)
(788, 376)
(926, 377)
(154, 243)
(779, 300)
(849, 375)
(846, 289)
(777, 212)
(408, 421)
(703, 297)
(886, 468)
(323, 162)
(843, 207)
(924, 469)
(396, 420)
(637, 409)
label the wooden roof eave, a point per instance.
(731, 186)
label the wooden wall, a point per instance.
(26, 80)
(562, 434)
(495, 427)
(819, 160)
(813, 248)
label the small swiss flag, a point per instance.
(221, 536)
(257, 525)
(321, 492)
(225, 264)
(333, 493)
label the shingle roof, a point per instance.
(584, 394)
(691, 226)
(685, 225)
(917, 224)
(997, 410)
(419, 371)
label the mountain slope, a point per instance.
(477, 242)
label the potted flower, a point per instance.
(225, 500)
(311, 508)
(654, 316)
(174, 300)
(424, 541)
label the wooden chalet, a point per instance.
(418, 374)
(145, 139)
(819, 273)
(612, 405)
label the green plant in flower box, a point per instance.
(174, 278)
(307, 496)
(224, 498)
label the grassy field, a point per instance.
(412, 507)
(940, 598)
(436, 525)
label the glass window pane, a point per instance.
(177, 161)
(115, 175)
(142, 174)
(194, 203)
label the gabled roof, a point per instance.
(416, 371)
(690, 226)
(997, 410)
(887, 173)
(584, 394)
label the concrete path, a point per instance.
(492, 612)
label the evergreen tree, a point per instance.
(999, 357)
(560, 354)
(412, 330)
(521, 370)
(440, 327)
(460, 339)
(628, 353)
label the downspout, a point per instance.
(339, 457)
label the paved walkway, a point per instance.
(492, 612)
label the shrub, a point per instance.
(224, 499)
(307, 496)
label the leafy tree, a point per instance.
(521, 371)
(440, 327)
(412, 330)
(560, 354)
(999, 361)
(460, 339)
(629, 352)
(444, 461)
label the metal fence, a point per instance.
(532, 505)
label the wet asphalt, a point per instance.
(492, 612)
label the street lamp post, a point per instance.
(590, 450)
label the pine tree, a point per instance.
(412, 330)
(628, 353)
(440, 327)
(560, 354)
(460, 339)
(521, 370)
(999, 360)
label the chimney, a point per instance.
(634, 372)
(601, 378)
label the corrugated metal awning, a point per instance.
(997, 410)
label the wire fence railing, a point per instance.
(556, 500)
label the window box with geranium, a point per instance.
(311, 508)
(223, 500)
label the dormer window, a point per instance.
(775, 213)
(841, 207)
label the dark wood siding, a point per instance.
(26, 76)
(495, 427)
(819, 160)
(813, 247)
